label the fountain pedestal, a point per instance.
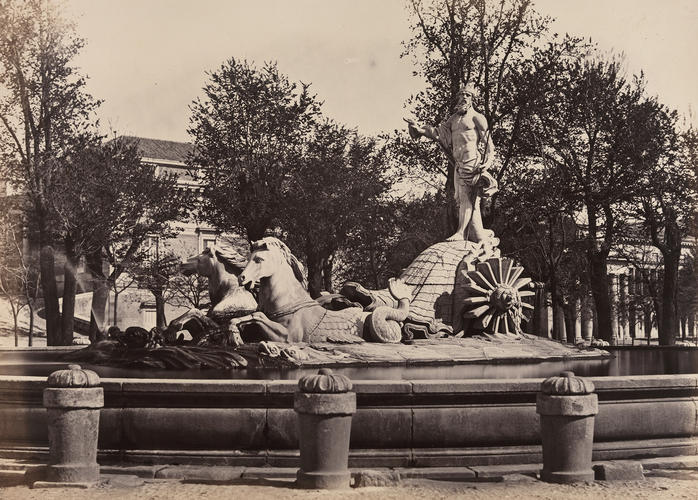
(325, 407)
(73, 403)
(567, 408)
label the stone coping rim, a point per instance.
(42, 348)
(653, 347)
(416, 386)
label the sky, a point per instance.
(148, 59)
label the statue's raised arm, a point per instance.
(416, 131)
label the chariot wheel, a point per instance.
(496, 293)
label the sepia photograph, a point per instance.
(376, 249)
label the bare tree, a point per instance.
(44, 110)
(19, 276)
(116, 203)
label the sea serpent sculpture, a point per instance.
(287, 313)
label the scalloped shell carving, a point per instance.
(73, 377)
(325, 382)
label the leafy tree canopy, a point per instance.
(248, 130)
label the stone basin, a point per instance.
(410, 420)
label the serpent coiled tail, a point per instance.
(385, 323)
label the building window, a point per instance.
(206, 239)
(151, 245)
(82, 266)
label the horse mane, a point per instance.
(233, 261)
(269, 243)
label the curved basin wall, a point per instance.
(398, 423)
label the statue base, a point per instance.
(479, 349)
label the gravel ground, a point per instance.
(661, 485)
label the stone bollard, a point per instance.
(324, 406)
(72, 401)
(567, 407)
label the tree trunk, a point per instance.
(669, 317)
(116, 307)
(327, 274)
(50, 293)
(632, 318)
(315, 279)
(598, 277)
(70, 285)
(30, 339)
(560, 322)
(98, 311)
(255, 232)
(672, 259)
(15, 316)
(558, 317)
(540, 315)
(570, 314)
(100, 297)
(160, 319)
(648, 323)
(655, 302)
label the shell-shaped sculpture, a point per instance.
(434, 280)
(435, 283)
(495, 292)
(432, 275)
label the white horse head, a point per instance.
(269, 255)
(212, 261)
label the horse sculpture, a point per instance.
(212, 333)
(221, 265)
(288, 313)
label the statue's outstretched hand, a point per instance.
(414, 129)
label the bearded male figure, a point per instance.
(460, 136)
